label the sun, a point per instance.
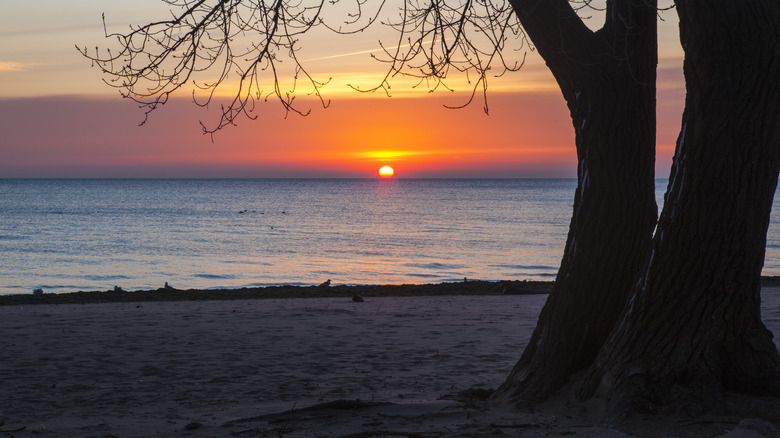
(386, 172)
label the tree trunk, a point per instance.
(694, 329)
(608, 81)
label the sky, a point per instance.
(59, 119)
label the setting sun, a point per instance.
(386, 172)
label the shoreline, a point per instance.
(472, 287)
(465, 288)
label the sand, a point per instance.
(232, 368)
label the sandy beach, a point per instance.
(232, 368)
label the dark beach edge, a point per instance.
(474, 288)
(471, 287)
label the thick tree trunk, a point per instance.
(694, 329)
(608, 81)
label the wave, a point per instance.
(521, 267)
(434, 265)
(215, 276)
(423, 275)
(273, 284)
(105, 277)
(19, 237)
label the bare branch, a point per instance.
(239, 52)
(217, 47)
(438, 38)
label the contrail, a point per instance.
(362, 52)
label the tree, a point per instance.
(608, 80)
(244, 44)
(693, 329)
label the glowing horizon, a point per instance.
(59, 119)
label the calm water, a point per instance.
(68, 235)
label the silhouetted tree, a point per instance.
(693, 330)
(608, 80)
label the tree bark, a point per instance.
(693, 329)
(608, 80)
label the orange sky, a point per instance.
(57, 119)
(525, 135)
(417, 137)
